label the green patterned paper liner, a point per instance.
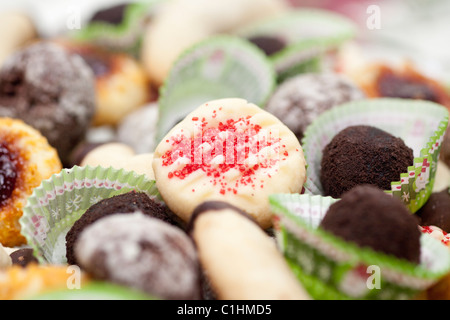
(330, 268)
(94, 290)
(309, 34)
(124, 36)
(219, 67)
(421, 125)
(59, 201)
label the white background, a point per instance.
(51, 16)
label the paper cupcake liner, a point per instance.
(125, 36)
(309, 33)
(331, 268)
(94, 290)
(59, 201)
(421, 125)
(220, 67)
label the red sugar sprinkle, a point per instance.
(228, 146)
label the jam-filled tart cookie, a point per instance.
(26, 158)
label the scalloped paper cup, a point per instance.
(331, 268)
(94, 290)
(125, 36)
(309, 33)
(219, 67)
(59, 201)
(421, 125)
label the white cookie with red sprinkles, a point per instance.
(228, 150)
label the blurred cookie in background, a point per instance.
(16, 31)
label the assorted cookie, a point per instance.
(20, 283)
(5, 259)
(143, 253)
(228, 150)
(338, 254)
(120, 156)
(217, 228)
(123, 203)
(26, 158)
(17, 31)
(23, 257)
(299, 100)
(59, 101)
(121, 84)
(198, 150)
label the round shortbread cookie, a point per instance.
(240, 260)
(120, 156)
(228, 150)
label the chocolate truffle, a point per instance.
(143, 253)
(436, 211)
(124, 203)
(301, 99)
(371, 218)
(363, 155)
(52, 91)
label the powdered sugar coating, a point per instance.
(138, 129)
(50, 90)
(142, 252)
(301, 99)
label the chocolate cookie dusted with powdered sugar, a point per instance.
(52, 91)
(143, 253)
(301, 99)
(123, 203)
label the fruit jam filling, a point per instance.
(8, 173)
